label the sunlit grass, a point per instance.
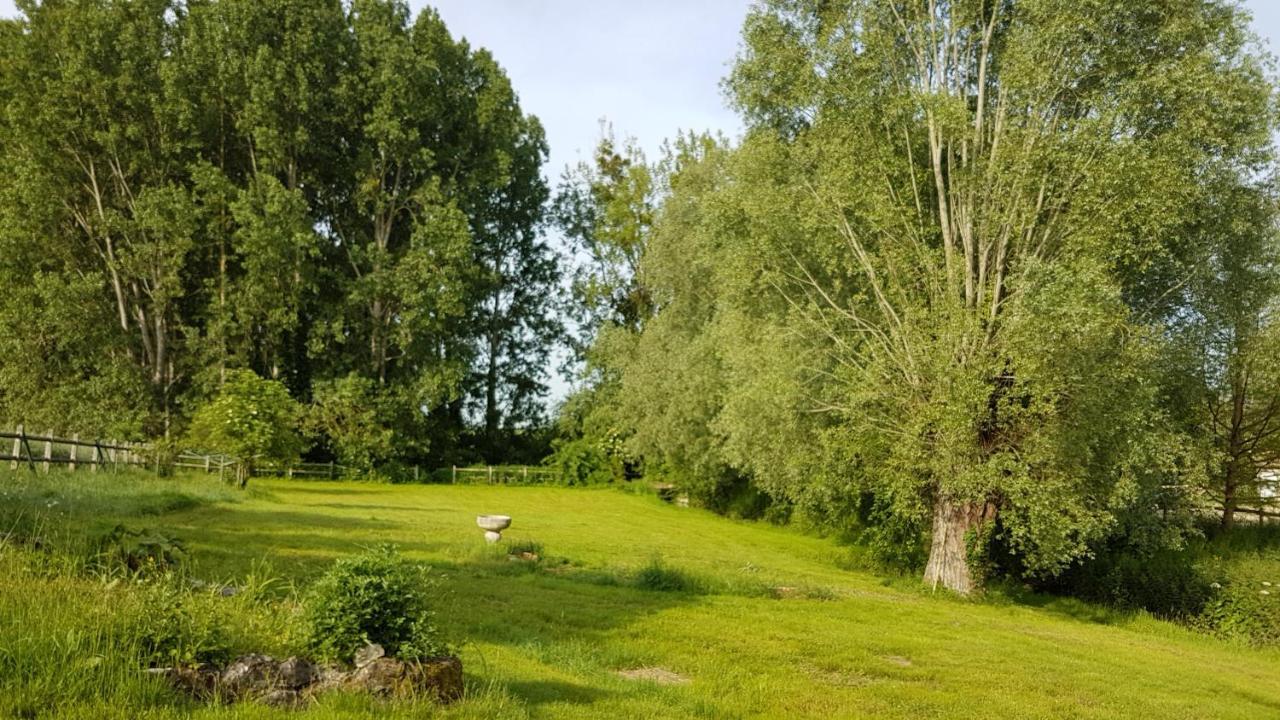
(763, 622)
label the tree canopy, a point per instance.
(935, 284)
(312, 191)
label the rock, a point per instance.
(197, 682)
(381, 676)
(250, 675)
(281, 697)
(438, 678)
(328, 677)
(368, 654)
(296, 673)
(229, 591)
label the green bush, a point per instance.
(1245, 608)
(1167, 584)
(377, 597)
(251, 419)
(583, 461)
(180, 628)
(143, 552)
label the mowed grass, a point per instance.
(770, 624)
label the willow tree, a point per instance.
(962, 202)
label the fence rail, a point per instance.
(40, 451)
(71, 451)
(501, 474)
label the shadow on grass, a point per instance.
(537, 692)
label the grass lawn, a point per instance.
(548, 640)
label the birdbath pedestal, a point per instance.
(493, 526)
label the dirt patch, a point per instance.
(662, 676)
(897, 660)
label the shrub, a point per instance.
(1167, 583)
(1243, 608)
(377, 597)
(141, 551)
(583, 461)
(350, 416)
(180, 628)
(251, 419)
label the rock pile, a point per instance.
(293, 681)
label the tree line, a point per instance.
(337, 196)
(991, 284)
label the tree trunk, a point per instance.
(948, 555)
(1229, 502)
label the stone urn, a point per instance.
(493, 525)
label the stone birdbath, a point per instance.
(493, 526)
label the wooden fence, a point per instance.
(72, 452)
(502, 475)
(40, 451)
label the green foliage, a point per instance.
(345, 414)
(582, 461)
(180, 628)
(377, 597)
(1168, 584)
(307, 189)
(930, 274)
(251, 419)
(1244, 607)
(141, 552)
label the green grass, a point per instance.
(763, 621)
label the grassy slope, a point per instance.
(546, 643)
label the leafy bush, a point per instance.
(348, 415)
(141, 551)
(180, 628)
(1167, 584)
(251, 419)
(377, 597)
(583, 461)
(1244, 605)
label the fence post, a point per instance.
(95, 456)
(526, 474)
(454, 480)
(17, 449)
(288, 472)
(222, 469)
(207, 460)
(490, 474)
(415, 474)
(48, 450)
(111, 454)
(75, 450)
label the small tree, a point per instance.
(251, 419)
(347, 414)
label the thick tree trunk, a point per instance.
(948, 555)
